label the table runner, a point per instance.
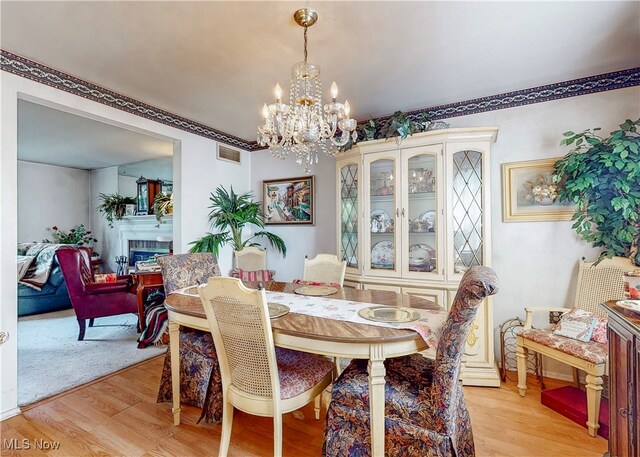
(429, 326)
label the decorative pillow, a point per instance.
(108, 278)
(600, 331)
(314, 283)
(256, 275)
(577, 324)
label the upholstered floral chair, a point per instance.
(200, 382)
(425, 411)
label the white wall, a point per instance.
(48, 196)
(104, 181)
(301, 240)
(196, 173)
(127, 186)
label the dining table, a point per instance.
(318, 335)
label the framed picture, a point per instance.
(529, 194)
(289, 201)
(130, 210)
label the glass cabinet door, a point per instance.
(382, 214)
(467, 210)
(348, 175)
(421, 212)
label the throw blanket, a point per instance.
(156, 321)
(38, 273)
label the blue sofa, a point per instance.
(52, 297)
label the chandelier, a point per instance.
(304, 127)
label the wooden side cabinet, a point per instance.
(624, 376)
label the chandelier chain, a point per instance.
(305, 43)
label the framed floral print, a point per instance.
(289, 201)
(529, 193)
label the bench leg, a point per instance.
(594, 395)
(521, 360)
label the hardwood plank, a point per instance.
(118, 415)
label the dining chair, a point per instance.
(425, 410)
(325, 268)
(251, 265)
(257, 377)
(595, 285)
(200, 381)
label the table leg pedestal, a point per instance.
(174, 347)
(376, 399)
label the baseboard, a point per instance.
(480, 376)
(10, 413)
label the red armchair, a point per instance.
(89, 299)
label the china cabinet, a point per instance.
(413, 216)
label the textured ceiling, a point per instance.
(217, 62)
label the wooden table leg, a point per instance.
(174, 347)
(376, 398)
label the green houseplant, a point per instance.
(162, 206)
(229, 214)
(114, 206)
(601, 175)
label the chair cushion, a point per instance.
(315, 283)
(591, 351)
(256, 275)
(300, 371)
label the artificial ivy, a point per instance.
(399, 124)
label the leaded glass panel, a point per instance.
(467, 210)
(349, 214)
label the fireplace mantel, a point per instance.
(142, 228)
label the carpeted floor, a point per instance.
(52, 360)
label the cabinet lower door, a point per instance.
(620, 350)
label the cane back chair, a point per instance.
(595, 285)
(257, 377)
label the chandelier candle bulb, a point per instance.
(265, 111)
(278, 92)
(334, 91)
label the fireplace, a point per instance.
(140, 238)
(145, 249)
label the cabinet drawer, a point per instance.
(434, 295)
(351, 284)
(396, 289)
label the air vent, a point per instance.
(228, 154)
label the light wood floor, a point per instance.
(118, 415)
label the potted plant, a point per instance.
(114, 206)
(601, 175)
(230, 213)
(162, 206)
(77, 236)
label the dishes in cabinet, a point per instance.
(383, 255)
(426, 222)
(381, 222)
(422, 257)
